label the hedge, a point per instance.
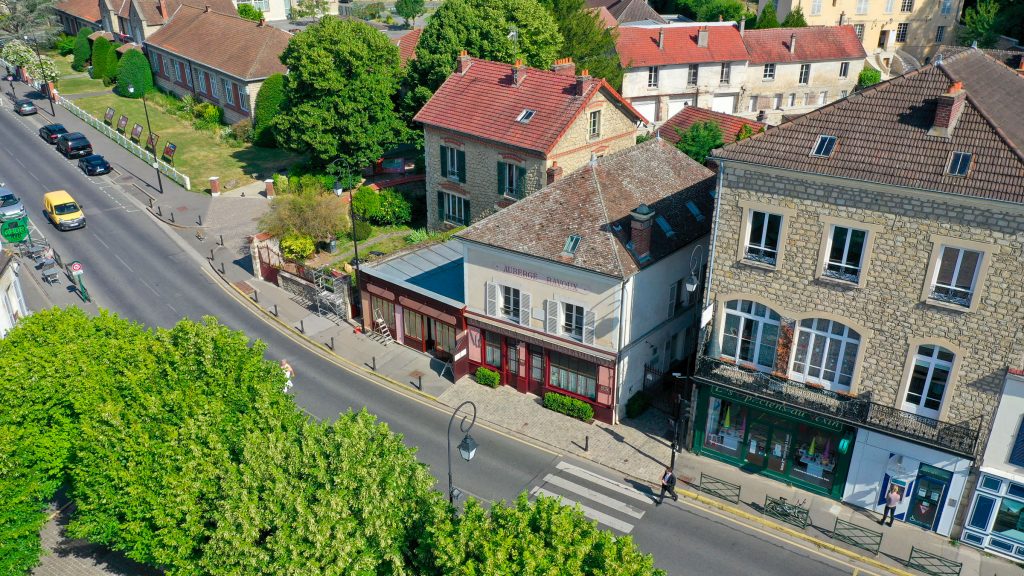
(637, 404)
(363, 230)
(82, 50)
(488, 377)
(133, 70)
(268, 105)
(385, 208)
(104, 60)
(569, 406)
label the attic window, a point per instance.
(959, 163)
(663, 224)
(695, 211)
(571, 244)
(526, 115)
(823, 148)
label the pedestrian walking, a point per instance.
(892, 500)
(289, 373)
(668, 484)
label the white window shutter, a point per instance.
(551, 316)
(524, 309)
(672, 299)
(492, 299)
(588, 327)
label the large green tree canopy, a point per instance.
(338, 95)
(590, 45)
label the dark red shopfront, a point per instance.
(532, 363)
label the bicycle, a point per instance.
(780, 508)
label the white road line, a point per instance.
(119, 259)
(593, 496)
(606, 482)
(601, 517)
(100, 240)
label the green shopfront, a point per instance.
(774, 439)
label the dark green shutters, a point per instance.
(466, 214)
(460, 163)
(440, 206)
(515, 189)
(520, 182)
(444, 162)
(502, 175)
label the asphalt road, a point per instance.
(139, 270)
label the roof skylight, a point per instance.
(571, 244)
(526, 115)
(959, 163)
(823, 148)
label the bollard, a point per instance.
(211, 254)
(150, 201)
(586, 443)
(222, 268)
(159, 211)
(419, 385)
(275, 310)
(374, 360)
(256, 296)
(302, 326)
(199, 220)
(172, 216)
(221, 239)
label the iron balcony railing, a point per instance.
(960, 438)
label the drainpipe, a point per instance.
(618, 355)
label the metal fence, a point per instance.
(863, 538)
(721, 488)
(933, 563)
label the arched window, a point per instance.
(929, 379)
(751, 333)
(826, 352)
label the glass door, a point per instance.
(757, 444)
(778, 448)
(929, 494)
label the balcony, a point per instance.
(960, 439)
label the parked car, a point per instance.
(51, 132)
(74, 145)
(25, 107)
(10, 205)
(62, 210)
(94, 165)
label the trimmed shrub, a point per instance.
(64, 44)
(417, 236)
(82, 50)
(488, 377)
(297, 246)
(637, 404)
(207, 116)
(868, 77)
(241, 131)
(569, 406)
(104, 61)
(280, 183)
(385, 208)
(268, 105)
(133, 70)
(363, 230)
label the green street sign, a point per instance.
(14, 231)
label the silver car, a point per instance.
(10, 205)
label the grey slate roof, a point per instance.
(882, 132)
(626, 11)
(595, 201)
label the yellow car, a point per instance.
(63, 211)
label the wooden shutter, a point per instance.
(524, 309)
(467, 215)
(502, 183)
(1017, 452)
(444, 161)
(551, 316)
(672, 299)
(491, 291)
(588, 327)
(440, 207)
(460, 162)
(520, 182)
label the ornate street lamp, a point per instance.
(467, 448)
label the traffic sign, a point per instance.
(14, 231)
(76, 268)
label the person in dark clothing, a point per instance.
(668, 484)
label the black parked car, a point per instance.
(25, 107)
(94, 165)
(51, 132)
(74, 145)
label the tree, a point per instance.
(268, 106)
(745, 132)
(410, 10)
(768, 18)
(795, 19)
(543, 537)
(868, 77)
(309, 9)
(710, 10)
(980, 24)
(82, 50)
(337, 105)
(133, 70)
(21, 17)
(104, 60)
(250, 12)
(699, 140)
(319, 216)
(590, 45)
(18, 53)
(44, 69)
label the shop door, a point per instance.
(757, 444)
(778, 447)
(516, 369)
(929, 495)
(536, 370)
(768, 444)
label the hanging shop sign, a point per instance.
(779, 408)
(14, 231)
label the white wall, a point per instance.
(1005, 427)
(12, 302)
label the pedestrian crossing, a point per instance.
(611, 504)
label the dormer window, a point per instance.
(571, 244)
(824, 146)
(959, 163)
(525, 116)
(694, 210)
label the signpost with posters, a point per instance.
(151, 141)
(136, 132)
(77, 270)
(169, 150)
(108, 116)
(122, 122)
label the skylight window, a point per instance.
(695, 211)
(571, 244)
(663, 224)
(959, 163)
(823, 148)
(525, 116)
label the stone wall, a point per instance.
(889, 308)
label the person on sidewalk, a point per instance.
(892, 500)
(289, 373)
(668, 484)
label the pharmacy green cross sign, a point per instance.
(14, 231)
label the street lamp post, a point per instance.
(467, 448)
(149, 131)
(49, 96)
(693, 285)
(10, 78)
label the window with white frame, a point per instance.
(214, 89)
(763, 237)
(933, 367)
(844, 69)
(201, 76)
(229, 97)
(572, 374)
(652, 76)
(752, 104)
(845, 253)
(511, 180)
(188, 74)
(956, 274)
(453, 163)
(750, 333)
(595, 123)
(691, 74)
(510, 303)
(859, 30)
(824, 146)
(769, 72)
(946, 7)
(177, 70)
(777, 101)
(844, 93)
(822, 97)
(815, 7)
(901, 32)
(906, 6)
(862, 6)
(792, 100)
(940, 33)
(805, 73)
(725, 76)
(826, 352)
(572, 321)
(243, 98)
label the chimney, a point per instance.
(661, 38)
(518, 72)
(947, 110)
(581, 82)
(564, 66)
(640, 231)
(554, 172)
(702, 37)
(207, 8)
(792, 43)
(743, 26)
(842, 18)
(464, 62)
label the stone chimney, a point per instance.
(743, 26)
(581, 82)
(464, 62)
(792, 43)
(842, 18)
(661, 38)
(564, 66)
(554, 172)
(640, 231)
(947, 110)
(702, 37)
(518, 72)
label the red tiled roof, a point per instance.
(639, 46)
(690, 115)
(813, 44)
(483, 102)
(101, 33)
(156, 12)
(407, 44)
(124, 11)
(84, 9)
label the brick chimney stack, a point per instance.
(564, 66)
(640, 231)
(464, 62)
(518, 72)
(792, 43)
(581, 82)
(661, 38)
(842, 18)
(947, 110)
(554, 172)
(702, 37)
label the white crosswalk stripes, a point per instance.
(611, 504)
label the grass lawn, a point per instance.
(68, 86)
(200, 154)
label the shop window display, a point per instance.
(1009, 521)
(815, 458)
(727, 422)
